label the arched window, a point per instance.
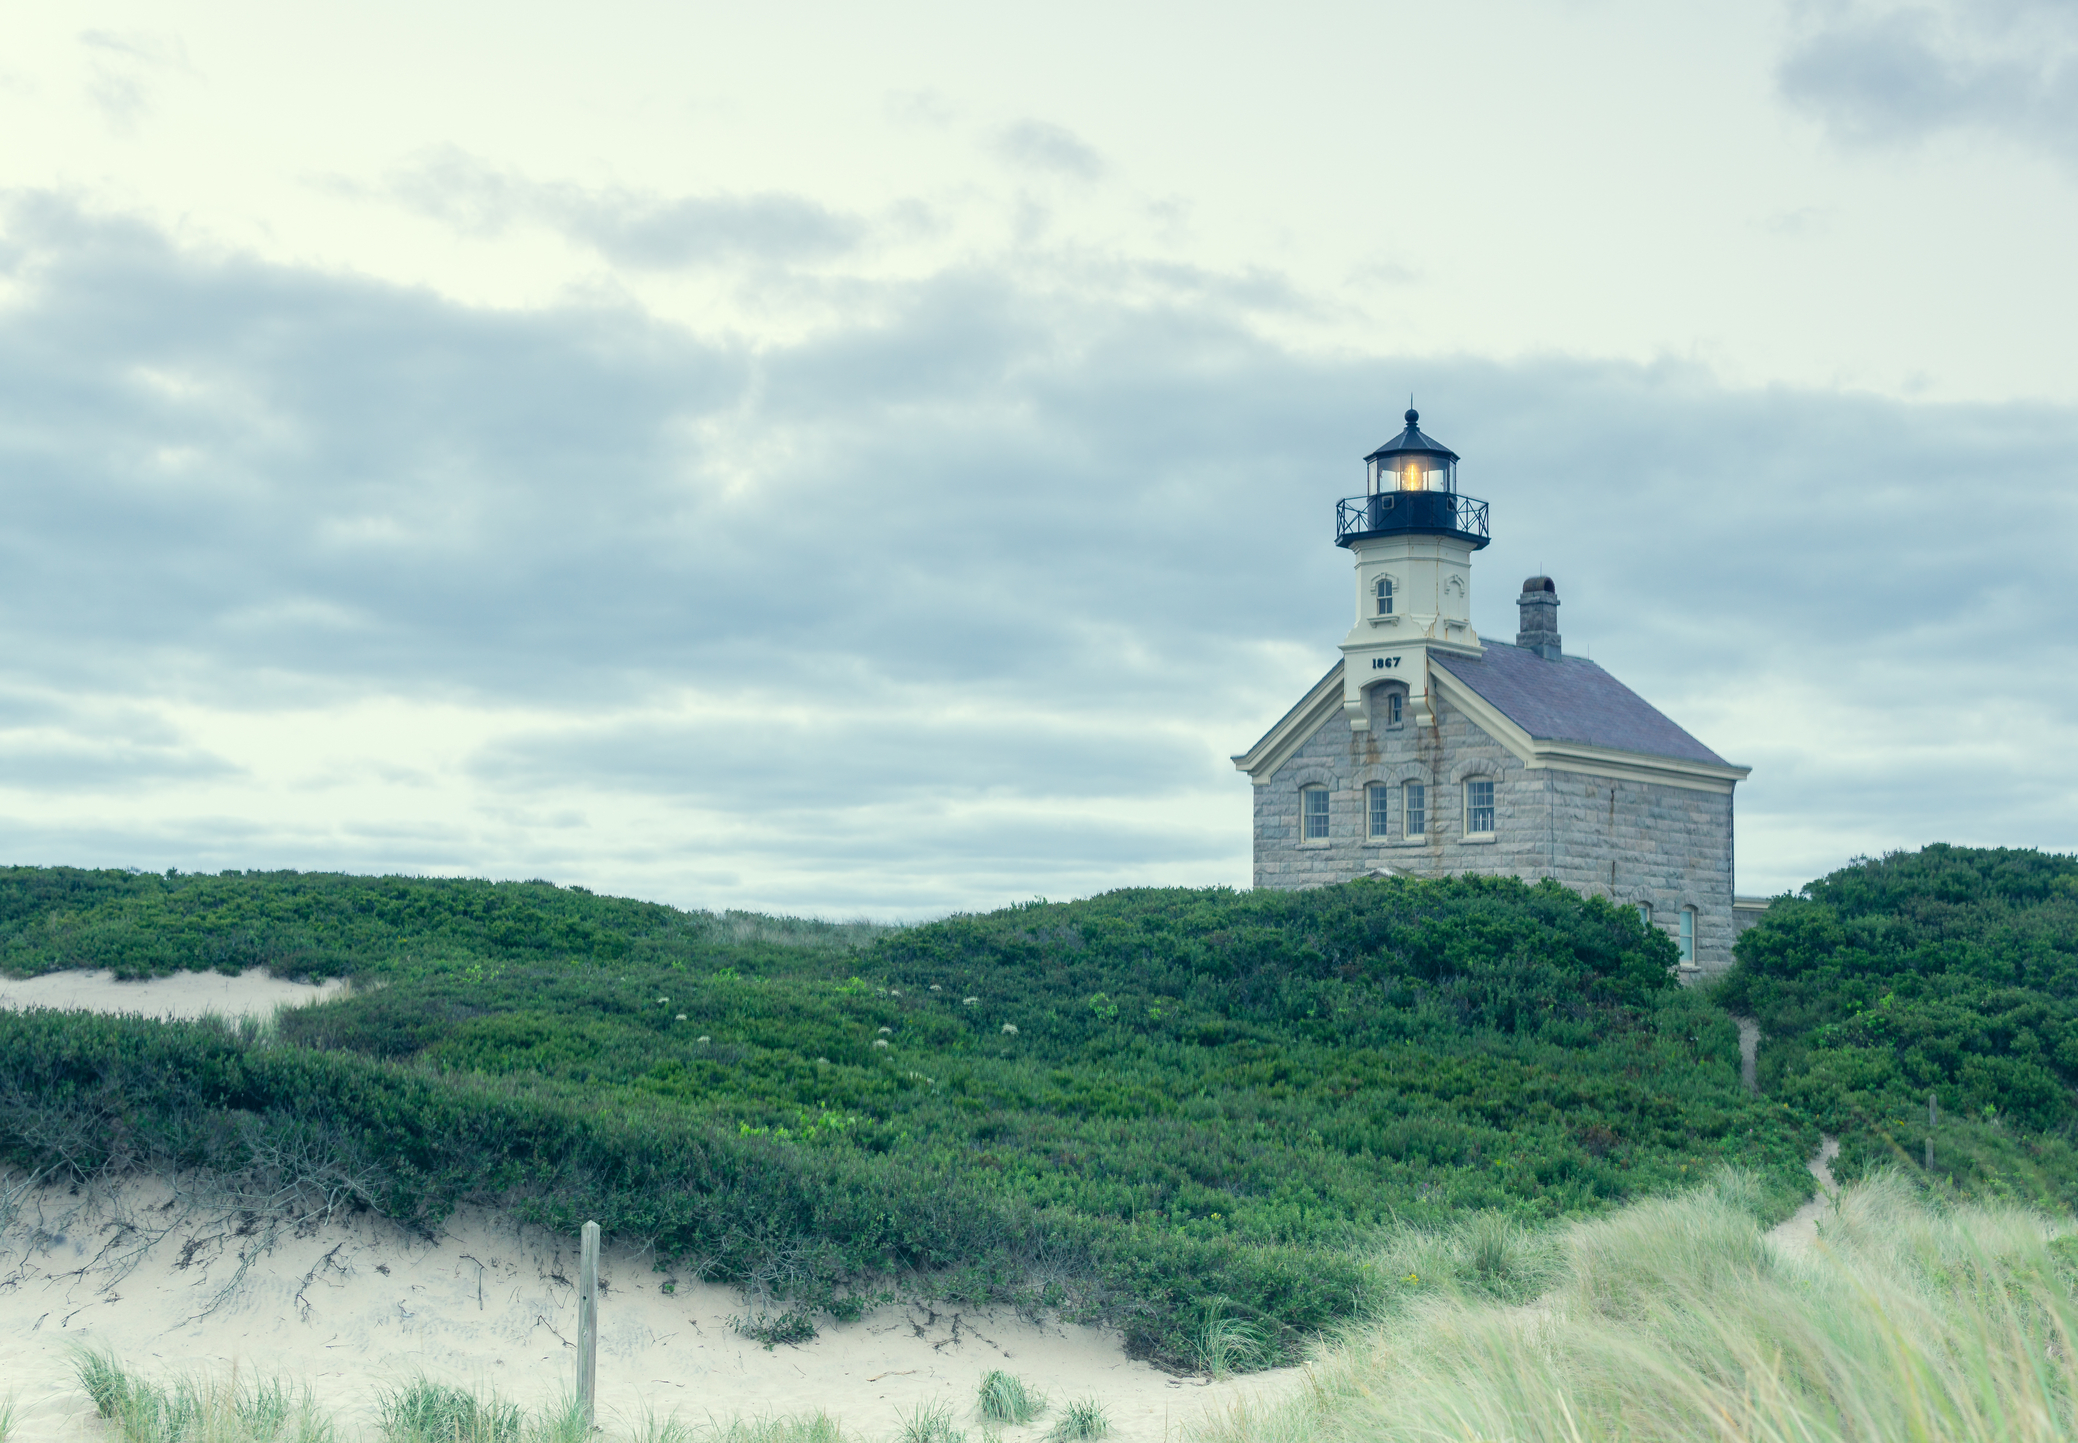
(1645, 914)
(1377, 797)
(1383, 590)
(1414, 810)
(1688, 936)
(1313, 810)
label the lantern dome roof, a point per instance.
(1411, 442)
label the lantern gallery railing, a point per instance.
(1411, 511)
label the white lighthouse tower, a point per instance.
(1411, 536)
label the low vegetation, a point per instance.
(1004, 1398)
(200, 1409)
(1184, 1112)
(1677, 1320)
(1948, 974)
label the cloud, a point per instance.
(1888, 74)
(1038, 146)
(963, 599)
(120, 68)
(632, 228)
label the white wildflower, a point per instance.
(970, 1002)
(706, 1039)
(681, 1017)
(887, 1032)
(1010, 1029)
(936, 988)
(880, 1042)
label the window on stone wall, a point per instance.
(1383, 590)
(1313, 806)
(1392, 708)
(1688, 936)
(1645, 914)
(1479, 808)
(1414, 809)
(1375, 797)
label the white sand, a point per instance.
(186, 994)
(353, 1304)
(1800, 1229)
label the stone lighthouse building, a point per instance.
(1428, 751)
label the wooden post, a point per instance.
(1933, 1111)
(588, 1325)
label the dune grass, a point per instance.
(199, 1409)
(1678, 1319)
(929, 1422)
(1082, 1420)
(1004, 1398)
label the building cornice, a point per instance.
(1292, 731)
(1537, 755)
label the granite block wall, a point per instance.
(1632, 842)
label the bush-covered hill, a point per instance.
(1951, 971)
(1150, 1107)
(325, 924)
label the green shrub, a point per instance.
(1271, 1081)
(1950, 972)
(792, 1328)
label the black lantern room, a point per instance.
(1410, 485)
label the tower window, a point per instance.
(1392, 708)
(1383, 590)
(1375, 797)
(1414, 809)
(1688, 936)
(1315, 811)
(1479, 808)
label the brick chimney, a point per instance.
(1539, 606)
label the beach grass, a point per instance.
(929, 1422)
(1004, 1398)
(1082, 1420)
(1679, 1319)
(199, 1409)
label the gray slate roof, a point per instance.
(1572, 700)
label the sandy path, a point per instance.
(186, 994)
(1800, 1229)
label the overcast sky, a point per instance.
(880, 459)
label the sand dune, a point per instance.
(172, 1283)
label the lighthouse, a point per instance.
(1411, 536)
(1426, 752)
